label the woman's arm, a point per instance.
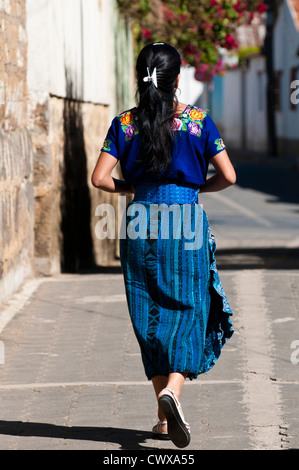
(102, 179)
(225, 174)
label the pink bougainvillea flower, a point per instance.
(146, 33)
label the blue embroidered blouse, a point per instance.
(199, 142)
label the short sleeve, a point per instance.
(111, 141)
(214, 143)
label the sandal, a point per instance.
(160, 435)
(178, 429)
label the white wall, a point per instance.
(245, 131)
(232, 120)
(286, 45)
(191, 89)
(74, 37)
(256, 123)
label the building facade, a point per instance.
(238, 101)
(66, 68)
(244, 92)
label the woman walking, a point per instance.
(178, 308)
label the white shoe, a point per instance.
(178, 428)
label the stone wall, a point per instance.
(16, 153)
(48, 140)
(65, 200)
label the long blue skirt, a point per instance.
(178, 308)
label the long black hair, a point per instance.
(155, 100)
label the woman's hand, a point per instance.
(102, 179)
(225, 174)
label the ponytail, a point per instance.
(158, 67)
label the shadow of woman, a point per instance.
(128, 439)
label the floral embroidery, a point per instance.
(130, 131)
(189, 121)
(220, 144)
(126, 119)
(197, 114)
(107, 146)
(194, 128)
(176, 125)
(128, 125)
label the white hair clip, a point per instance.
(151, 78)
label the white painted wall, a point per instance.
(232, 121)
(81, 43)
(286, 46)
(256, 123)
(78, 38)
(191, 89)
(255, 107)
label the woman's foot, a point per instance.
(178, 429)
(159, 431)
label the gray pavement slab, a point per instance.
(73, 377)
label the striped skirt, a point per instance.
(178, 308)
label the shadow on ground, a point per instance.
(127, 439)
(281, 183)
(234, 259)
(258, 258)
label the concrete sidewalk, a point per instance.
(72, 376)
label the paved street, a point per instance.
(72, 376)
